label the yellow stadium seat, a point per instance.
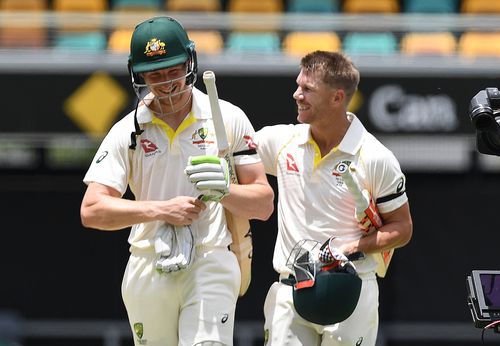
(480, 6)
(80, 5)
(80, 24)
(23, 5)
(371, 6)
(429, 43)
(301, 43)
(119, 40)
(256, 6)
(207, 42)
(475, 44)
(193, 5)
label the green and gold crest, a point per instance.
(139, 330)
(203, 132)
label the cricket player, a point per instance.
(314, 202)
(181, 282)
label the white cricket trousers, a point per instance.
(285, 327)
(186, 307)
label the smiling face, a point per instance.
(168, 87)
(314, 98)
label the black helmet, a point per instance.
(321, 294)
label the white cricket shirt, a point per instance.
(313, 201)
(155, 169)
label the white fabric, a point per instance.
(206, 291)
(155, 169)
(313, 201)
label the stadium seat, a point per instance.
(193, 5)
(480, 6)
(261, 42)
(429, 43)
(85, 41)
(370, 43)
(34, 34)
(430, 6)
(17, 37)
(477, 44)
(207, 42)
(23, 5)
(301, 43)
(371, 6)
(255, 6)
(80, 5)
(317, 6)
(119, 40)
(136, 5)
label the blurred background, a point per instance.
(64, 82)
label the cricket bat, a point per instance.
(365, 203)
(239, 227)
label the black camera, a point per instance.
(483, 288)
(484, 112)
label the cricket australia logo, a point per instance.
(155, 47)
(139, 332)
(203, 138)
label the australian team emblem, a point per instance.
(155, 47)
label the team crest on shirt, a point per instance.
(139, 332)
(339, 168)
(149, 147)
(203, 138)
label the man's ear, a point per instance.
(339, 97)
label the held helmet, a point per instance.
(322, 294)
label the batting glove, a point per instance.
(210, 176)
(328, 254)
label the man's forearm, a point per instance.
(250, 201)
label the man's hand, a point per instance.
(210, 176)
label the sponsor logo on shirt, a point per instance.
(291, 165)
(249, 141)
(149, 147)
(102, 156)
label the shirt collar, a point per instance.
(352, 139)
(200, 108)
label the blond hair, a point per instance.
(335, 69)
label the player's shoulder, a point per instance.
(375, 152)
(283, 130)
(228, 109)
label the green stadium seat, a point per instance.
(88, 41)
(260, 42)
(317, 6)
(136, 5)
(430, 6)
(372, 43)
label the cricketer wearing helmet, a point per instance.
(181, 282)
